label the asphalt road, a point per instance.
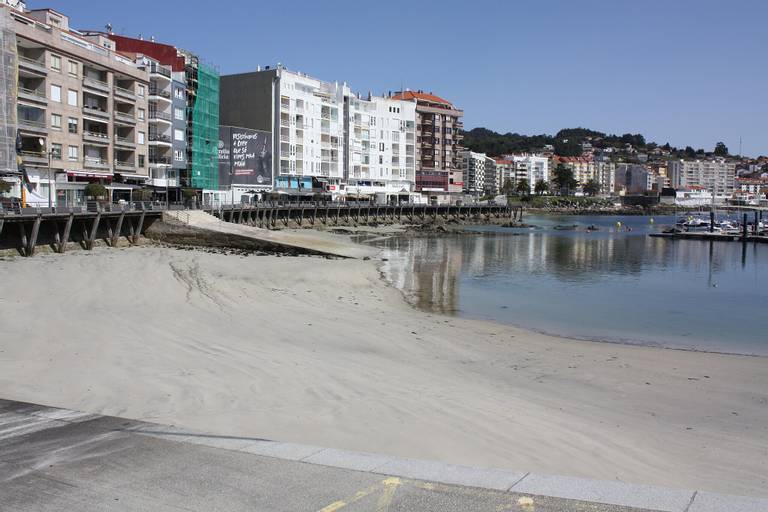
(54, 460)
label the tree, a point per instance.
(564, 179)
(568, 147)
(690, 152)
(4, 187)
(721, 149)
(508, 187)
(96, 191)
(522, 187)
(592, 188)
(541, 187)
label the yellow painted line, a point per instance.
(390, 486)
(333, 507)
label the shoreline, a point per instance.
(326, 352)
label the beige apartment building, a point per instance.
(82, 110)
(439, 170)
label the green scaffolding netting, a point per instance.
(205, 130)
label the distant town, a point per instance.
(92, 114)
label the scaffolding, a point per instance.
(8, 86)
(205, 130)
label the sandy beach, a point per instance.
(320, 351)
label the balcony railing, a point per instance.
(160, 70)
(98, 163)
(158, 137)
(155, 91)
(122, 116)
(163, 116)
(34, 64)
(95, 111)
(159, 160)
(126, 93)
(30, 124)
(100, 137)
(124, 140)
(120, 164)
(35, 94)
(34, 156)
(95, 84)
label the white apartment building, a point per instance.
(605, 174)
(473, 169)
(381, 149)
(533, 168)
(718, 175)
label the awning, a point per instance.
(137, 177)
(90, 174)
(121, 186)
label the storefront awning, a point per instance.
(90, 174)
(134, 177)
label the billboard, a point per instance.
(245, 157)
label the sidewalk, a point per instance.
(56, 459)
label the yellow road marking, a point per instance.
(388, 485)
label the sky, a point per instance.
(687, 72)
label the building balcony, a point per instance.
(96, 138)
(35, 65)
(156, 115)
(95, 112)
(30, 125)
(34, 157)
(159, 138)
(35, 95)
(159, 160)
(124, 93)
(125, 166)
(157, 93)
(95, 163)
(124, 141)
(125, 118)
(158, 70)
(97, 85)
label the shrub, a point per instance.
(95, 191)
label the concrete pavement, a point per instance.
(56, 459)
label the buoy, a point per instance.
(618, 224)
(651, 220)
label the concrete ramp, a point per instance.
(195, 227)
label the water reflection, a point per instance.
(550, 279)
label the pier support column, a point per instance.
(61, 245)
(118, 229)
(139, 227)
(745, 228)
(92, 234)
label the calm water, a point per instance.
(610, 284)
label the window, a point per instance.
(72, 68)
(142, 90)
(56, 93)
(381, 159)
(56, 121)
(178, 93)
(72, 97)
(178, 134)
(72, 125)
(141, 160)
(178, 113)
(56, 151)
(55, 63)
(141, 137)
(72, 153)
(178, 154)
(381, 146)
(141, 114)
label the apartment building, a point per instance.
(605, 174)
(716, 175)
(381, 147)
(491, 184)
(78, 109)
(306, 117)
(439, 170)
(583, 167)
(473, 172)
(632, 179)
(183, 115)
(505, 170)
(533, 168)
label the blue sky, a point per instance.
(687, 72)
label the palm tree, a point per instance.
(541, 187)
(523, 188)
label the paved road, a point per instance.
(54, 460)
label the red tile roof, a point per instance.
(423, 96)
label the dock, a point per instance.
(712, 237)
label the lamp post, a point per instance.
(50, 181)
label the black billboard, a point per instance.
(245, 157)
